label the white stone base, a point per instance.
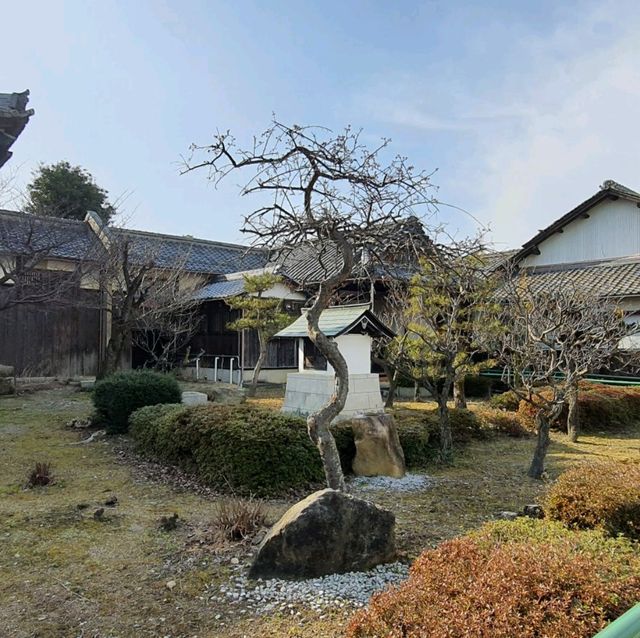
(194, 398)
(309, 391)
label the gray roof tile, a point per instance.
(619, 278)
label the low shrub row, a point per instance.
(248, 449)
(117, 396)
(243, 449)
(600, 407)
(524, 578)
(604, 495)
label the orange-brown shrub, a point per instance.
(472, 587)
(599, 407)
(602, 495)
(502, 422)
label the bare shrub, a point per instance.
(239, 518)
(40, 475)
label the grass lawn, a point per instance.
(65, 573)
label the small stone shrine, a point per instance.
(353, 329)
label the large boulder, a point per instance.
(226, 394)
(378, 449)
(329, 532)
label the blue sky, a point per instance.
(523, 107)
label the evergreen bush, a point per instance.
(120, 394)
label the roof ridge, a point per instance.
(185, 238)
(24, 215)
(613, 185)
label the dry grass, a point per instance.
(66, 574)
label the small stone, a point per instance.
(111, 501)
(508, 516)
(171, 584)
(533, 511)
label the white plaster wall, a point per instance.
(612, 230)
(356, 349)
(280, 291)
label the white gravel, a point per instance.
(408, 483)
(347, 591)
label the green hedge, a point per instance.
(244, 449)
(247, 449)
(120, 394)
(508, 401)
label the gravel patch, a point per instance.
(336, 591)
(408, 483)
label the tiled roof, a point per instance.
(336, 321)
(314, 261)
(13, 118)
(619, 278)
(194, 255)
(25, 234)
(221, 289)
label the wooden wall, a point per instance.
(52, 340)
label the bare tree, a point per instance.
(334, 195)
(150, 303)
(27, 244)
(553, 337)
(441, 308)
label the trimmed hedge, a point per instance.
(243, 449)
(120, 394)
(599, 407)
(524, 579)
(602, 495)
(248, 449)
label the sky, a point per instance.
(524, 108)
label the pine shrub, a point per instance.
(119, 395)
(508, 401)
(536, 580)
(604, 495)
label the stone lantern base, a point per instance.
(309, 391)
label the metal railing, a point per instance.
(627, 626)
(222, 365)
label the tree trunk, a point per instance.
(393, 383)
(536, 469)
(262, 357)
(318, 423)
(113, 354)
(416, 392)
(459, 397)
(446, 438)
(573, 419)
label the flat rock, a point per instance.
(226, 394)
(378, 449)
(194, 398)
(329, 532)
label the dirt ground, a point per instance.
(66, 573)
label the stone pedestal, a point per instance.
(194, 398)
(378, 449)
(309, 391)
